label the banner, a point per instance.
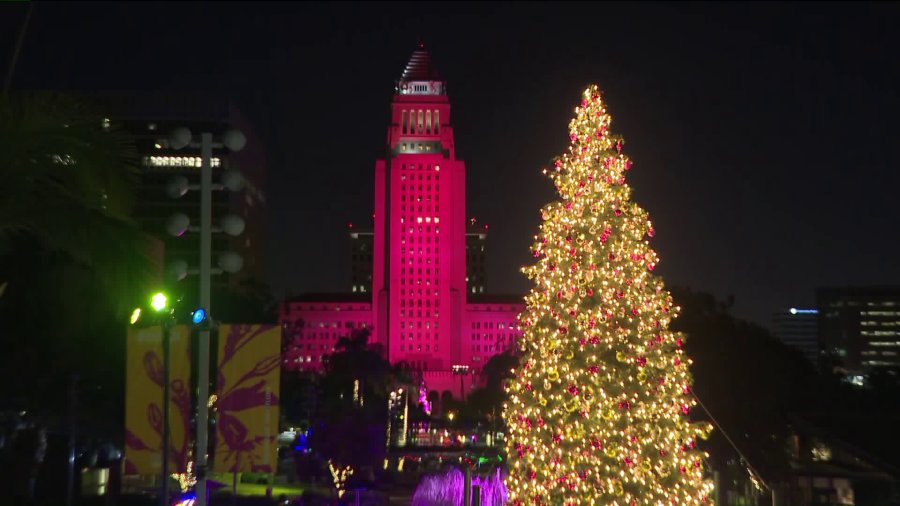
(247, 398)
(143, 400)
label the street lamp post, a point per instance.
(229, 262)
(160, 304)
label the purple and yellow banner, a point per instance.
(143, 400)
(247, 403)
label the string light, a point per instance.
(598, 409)
(339, 476)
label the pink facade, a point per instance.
(419, 311)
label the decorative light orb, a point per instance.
(235, 140)
(178, 269)
(180, 138)
(232, 225)
(233, 180)
(159, 301)
(230, 261)
(177, 224)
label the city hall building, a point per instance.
(418, 275)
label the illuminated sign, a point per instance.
(804, 311)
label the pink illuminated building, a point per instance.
(423, 303)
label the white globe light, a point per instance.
(234, 140)
(232, 225)
(180, 138)
(178, 269)
(177, 224)
(233, 180)
(230, 261)
(177, 187)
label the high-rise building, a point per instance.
(799, 328)
(425, 304)
(150, 118)
(859, 327)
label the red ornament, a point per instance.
(679, 342)
(594, 369)
(573, 389)
(565, 330)
(573, 137)
(651, 232)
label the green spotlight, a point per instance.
(135, 315)
(159, 302)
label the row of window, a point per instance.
(500, 337)
(426, 230)
(417, 347)
(490, 325)
(870, 323)
(418, 336)
(428, 324)
(417, 313)
(880, 333)
(420, 219)
(419, 177)
(420, 121)
(418, 302)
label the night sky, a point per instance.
(764, 136)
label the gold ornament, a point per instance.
(620, 356)
(553, 375)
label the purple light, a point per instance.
(447, 489)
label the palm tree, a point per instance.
(67, 183)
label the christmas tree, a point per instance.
(598, 409)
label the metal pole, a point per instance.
(70, 478)
(164, 473)
(467, 487)
(203, 344)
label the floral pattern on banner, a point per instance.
(247, 404)
(143, 400)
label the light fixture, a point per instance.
(159, 302)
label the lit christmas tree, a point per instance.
(598, 410)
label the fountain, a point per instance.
(447, 489)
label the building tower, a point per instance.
(419, 278)
(418, 275)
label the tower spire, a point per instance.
(420, 77)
